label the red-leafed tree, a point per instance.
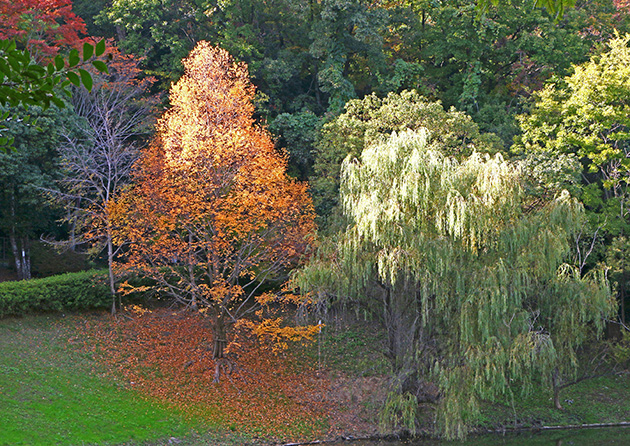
(213, 215)
(41, 26)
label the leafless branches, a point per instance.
(99, 151)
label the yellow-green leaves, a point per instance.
(588, 114)
(461, 264)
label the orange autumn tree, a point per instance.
(213, 215)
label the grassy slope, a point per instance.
(52, 392)
(55, 391)
(49, 394)
(598, 400)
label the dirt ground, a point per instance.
(6, 275)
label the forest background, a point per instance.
(509, 78)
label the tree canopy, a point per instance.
(467, 273)
(585, 117)
(368, 120)
(213, 214)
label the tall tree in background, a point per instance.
(586, 117)
(487, 67)
(213, 214)
(465, 271)
(98, 151)
(24, 173)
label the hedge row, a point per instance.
(71, 291)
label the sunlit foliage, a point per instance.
(371, 118)
(585, 117)
(213, 215)
(464, 269)
(43, 27)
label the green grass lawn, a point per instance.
(50, 394)
(600, 400)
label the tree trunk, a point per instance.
(191, 271)
(26, 258)
(70, 218)
(20, 248)
(623, 301)
(220, 342)
(556, 389)
(21, 254)
(110, 266)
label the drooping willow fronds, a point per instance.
(466, 264)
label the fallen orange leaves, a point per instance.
(167, 355)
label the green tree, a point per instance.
(465, 271)
(367, 121)
(348, 33)
(24, 173)
(297, 133)
(556, 8)
(162, 32)
(487, 67)
(586, 117)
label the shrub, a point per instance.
(71, 291)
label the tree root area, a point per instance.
(270, 396)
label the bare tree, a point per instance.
(99, 151)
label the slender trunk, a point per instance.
(191, 271)
(220, 342)
(122, 35)
(16, 253)
(21, 255)
(556, 388)
(73, 237)
(623, 303)
(392, 327)
(318, 97)
(73, 225)
(110, 266)
(26, 258)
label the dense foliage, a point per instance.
(585, 117)
(32, 166)
(464, 269)
(213, 214)
(65, 292)
(482, 258)
(368, 121)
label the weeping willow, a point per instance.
(466, 271)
